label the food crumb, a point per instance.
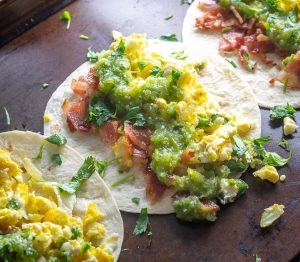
(282, 178)
(47, 118)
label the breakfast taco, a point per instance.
(260, 39)
(53, 206)
(166, 121)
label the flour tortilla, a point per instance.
(26, 144)
(267, 95)
(222, 83)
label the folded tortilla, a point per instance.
(26, 145)
(224, 85)
(266, 95)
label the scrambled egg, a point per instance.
(271, 214)
(33, 207)
(289, 126)
(267, 173)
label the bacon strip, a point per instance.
(109, 131)
(154, 189)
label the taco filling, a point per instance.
(256, 29)
(36, 220)
(153, 112)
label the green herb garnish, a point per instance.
(142, 65)
(135, 200)
(282, 111)
(170, 37)
(13, 204)
(285, 85)
(168, 17)
(44, 86)
(180, 55)
(57, 139)
(84, 173)
(7, 116)
(156, 71)
(231, 62)
(128, 177)
(285, 145)
(91, 55)
(102, 165)
(120, 49)
(84, 37)
(39, 156)
(135, 114)
(75, 233)
(98, 112)
(85, 247)
(66, 16)
(250, 64)
(143, 225)
(56, 159)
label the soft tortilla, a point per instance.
(26, 144)
(267, 95)
(222, 83)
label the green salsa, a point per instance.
(280, 19)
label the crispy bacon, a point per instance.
(209, 206)
(138, 137)
(291, 73)
(109, 131)
(154, 189)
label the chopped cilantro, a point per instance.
(213, 118)
(75, 233)
(85, 247)
(44, 86)
(84, 37)
(250, 64)
(142, 65)
(200, 66)
(156, 71)
(128, 177)
(285, 85)
(56, 159)
(84, 173)
(120, 49)
(66, 16)
(7, 116)
(179, 55)
(13, 204)
(282, 111)
(39, 156)
(170, 37)
(102, 165)
(57, 139)
(285, 145)
(273, 159)
(91, 55)
(135, 200)
(231, 62)
(143, 225)
(98, 112)
(257, 258)
(168, 17)
(239, 147)
(135, 114)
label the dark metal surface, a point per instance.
(49, 53)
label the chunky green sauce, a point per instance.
(280, 19)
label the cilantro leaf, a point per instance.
(44, 86)
(282, 111)
(91, 55)
(231, 62)
(55, 158)
(57, 139)
(102, 165)
(141, 65)
(170, 37)
(66, 16)
(273, 159)
(134, 113)
(75, 233)
(175, 75)
(120, 49)
(7, 116)
(239, 147)
(258, 143)
(156, 71)
(128, 177)
(39, 156)
(98, 112)
(168, 17)
(86, 246)
(179, 55)
(285, 145)
(285, 85)
(142, 222)
(85, 171)
(250, 64)
(135, 200)
(235, 165)
(13, 204)
(200, 66)
(213, 118)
